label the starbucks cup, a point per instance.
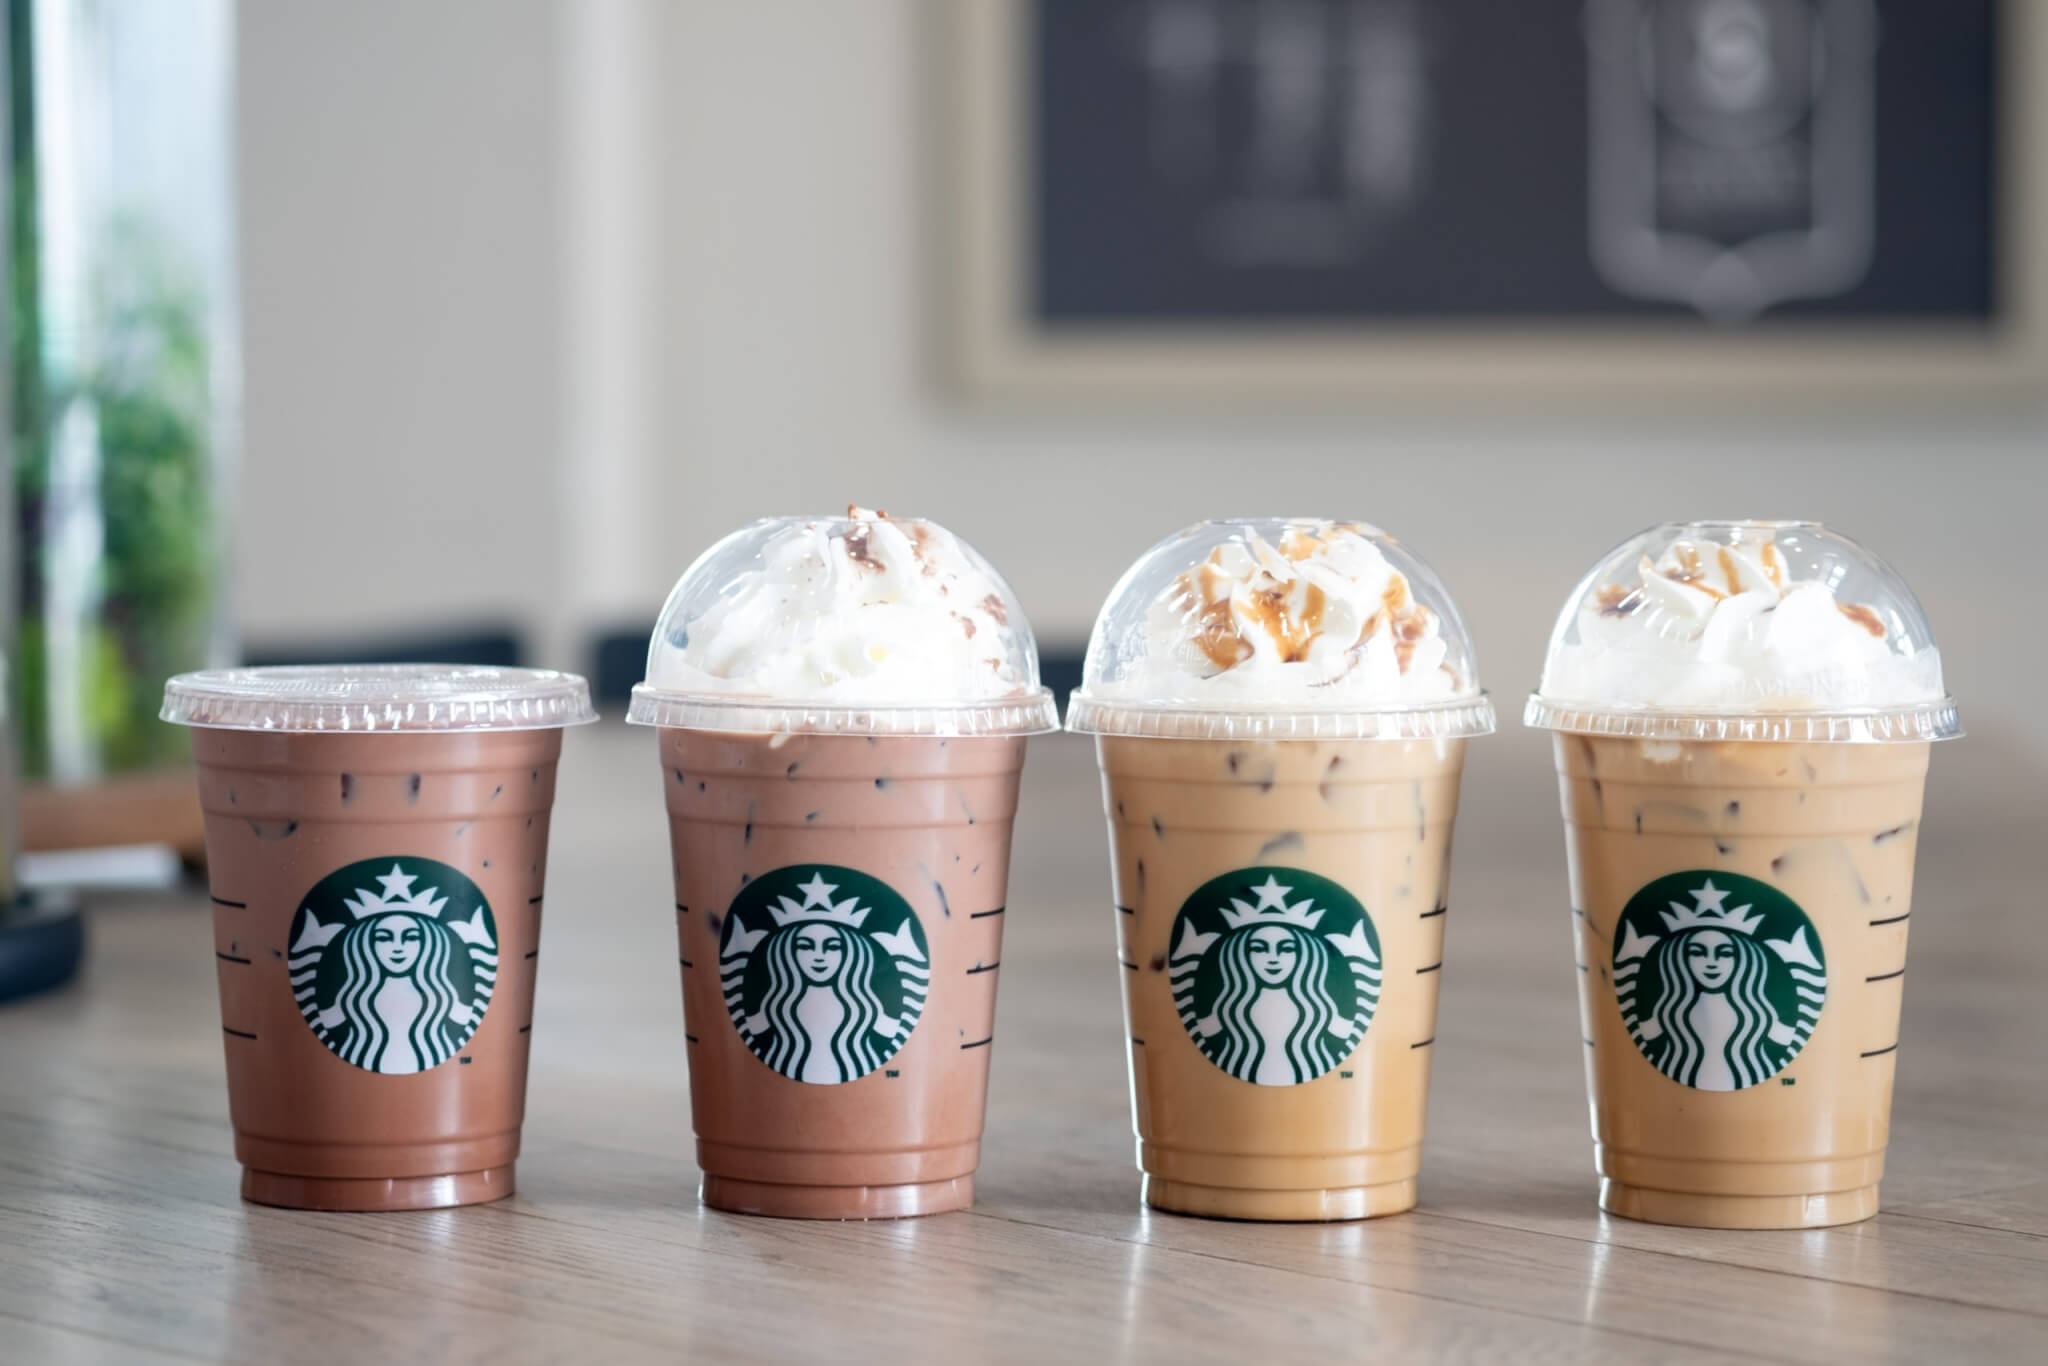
(842, 706)
(376, 844)
(1280, 709)
(1743, 712)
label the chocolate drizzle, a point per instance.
(861, 553)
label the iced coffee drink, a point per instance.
(376, 843)
(1743, 714)
(1281, 710)
(843, 705)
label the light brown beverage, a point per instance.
(839, 906)
(1717, 1104)
(376, 908)
(1281, 909)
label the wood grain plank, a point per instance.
(27, 1339)
(2020, 1209)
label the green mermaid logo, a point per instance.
(393, 962)
(825, 971)
(1275, 973)
(1718, 998)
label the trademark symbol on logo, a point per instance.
(1787, 1081)
(892, 1072)
(1344, 1074)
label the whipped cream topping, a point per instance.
(1321, 616)
(868, 610)
(1725, 626)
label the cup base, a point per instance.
(782, 1201)
(1691, 1210)
(1319, 1206)
(376, 1193)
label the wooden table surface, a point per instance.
(122, 1238)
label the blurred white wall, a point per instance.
(407, 275)
(399, 172)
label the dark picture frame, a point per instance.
(1079, 270)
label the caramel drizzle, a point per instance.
(1615, 600)
(1292, 633)
(1729, 571)
(1216, 636)
(1691, 572)
(1297, 544)
(1215, 630)
(1774, 567)
(1406, 619)
(1203, 597)
(1409, 629)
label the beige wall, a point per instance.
(404, 277)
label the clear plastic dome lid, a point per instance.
(1744, 631)
(863, 624)
(378, 697)
(1280, 628)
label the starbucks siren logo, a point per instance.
(393, 962)
(1275, 973)
(825, 971)
(1718, 997)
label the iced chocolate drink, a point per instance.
(1743, 716)
(843, 705)
(376, 851)
(1281, 711)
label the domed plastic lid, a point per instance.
(864, 624)
(378, 697)
(1280, 628)
(1744, 631)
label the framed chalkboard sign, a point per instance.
(1220, 200)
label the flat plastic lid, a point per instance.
(859, 625)
(1280, 628)
(378, 698)
(1767, 631)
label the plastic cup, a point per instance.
(1742, 804)
(1280, 859)
(841, 866)
(376, 843)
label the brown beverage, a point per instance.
(1744, 712)
(1281, 709)
(1357, 832)
(842, 705)
(377, 904)
(1780, 837)
(839, 906)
